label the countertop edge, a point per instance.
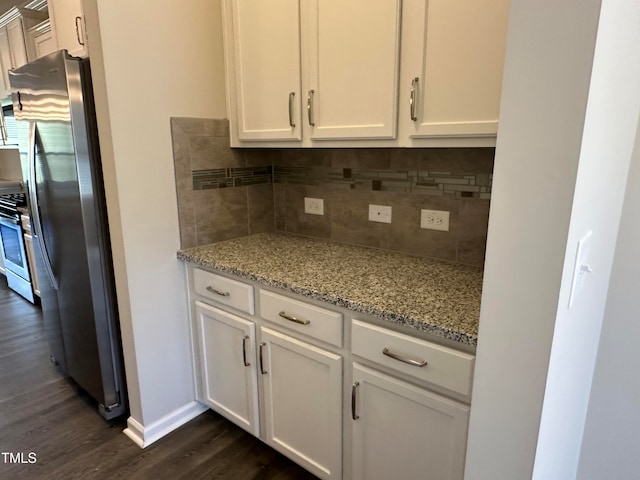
(392, 317)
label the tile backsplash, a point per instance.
(226, 193)
(205, 168)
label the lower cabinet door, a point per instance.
(404, 432)
(303, 407)
(229, 376)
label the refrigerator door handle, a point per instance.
(35, 210)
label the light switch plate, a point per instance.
(581, 268)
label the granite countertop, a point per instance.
(436, 297)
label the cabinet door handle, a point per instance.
(412, 98)
(244, 350)
(301, 321)
(403, 359)
(292, 95)
(3, 130)
(310, 107)
(217, 292)
(354, 400)
(262, 370)
(78, 27)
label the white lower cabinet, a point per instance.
(278, 373)
(404, 432)
(302, 398)
(286, 391)
(227, 359)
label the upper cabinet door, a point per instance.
(15, 32)
(351, 66)
(6, 62)
(67, 19)
(266, 44)
(453, 55)
(43, 39)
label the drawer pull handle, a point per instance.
(354, 390)
(217, 292)
(262, 370)
(401, 358)
(244, 350)
(294, 319)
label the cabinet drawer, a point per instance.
(444, 366)
(307, 319)
(224, 290)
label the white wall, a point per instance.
(545, 89)
(151, 59)
(609, 136)
(612, 431)
(523, 426)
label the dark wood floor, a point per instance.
(44, 413)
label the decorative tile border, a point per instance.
(231, 177)
(418, 181)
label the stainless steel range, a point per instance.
(13, 250)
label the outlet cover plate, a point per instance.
(380, 213)
(314, 206)
(434, 220)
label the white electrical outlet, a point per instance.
(434, 220)
(314, 206)
(380, 213)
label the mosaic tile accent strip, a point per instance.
(469, 185)
(231, 177)
(431, 182)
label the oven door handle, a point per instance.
(35, 209)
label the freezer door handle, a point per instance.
(35, 209)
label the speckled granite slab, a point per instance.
(435, 297)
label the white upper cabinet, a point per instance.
(366, 73)
(67, 21)
(5, 61)
(453, 52)
(43, 39)
(351, 67)
(266, 44)
(16, 36)
(17, 47)
(313, 70)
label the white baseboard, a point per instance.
(143, 436)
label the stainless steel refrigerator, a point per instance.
(59, 152)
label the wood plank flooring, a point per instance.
(45, 413)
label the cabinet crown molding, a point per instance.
(17, 12)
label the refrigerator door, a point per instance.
(66, 200)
